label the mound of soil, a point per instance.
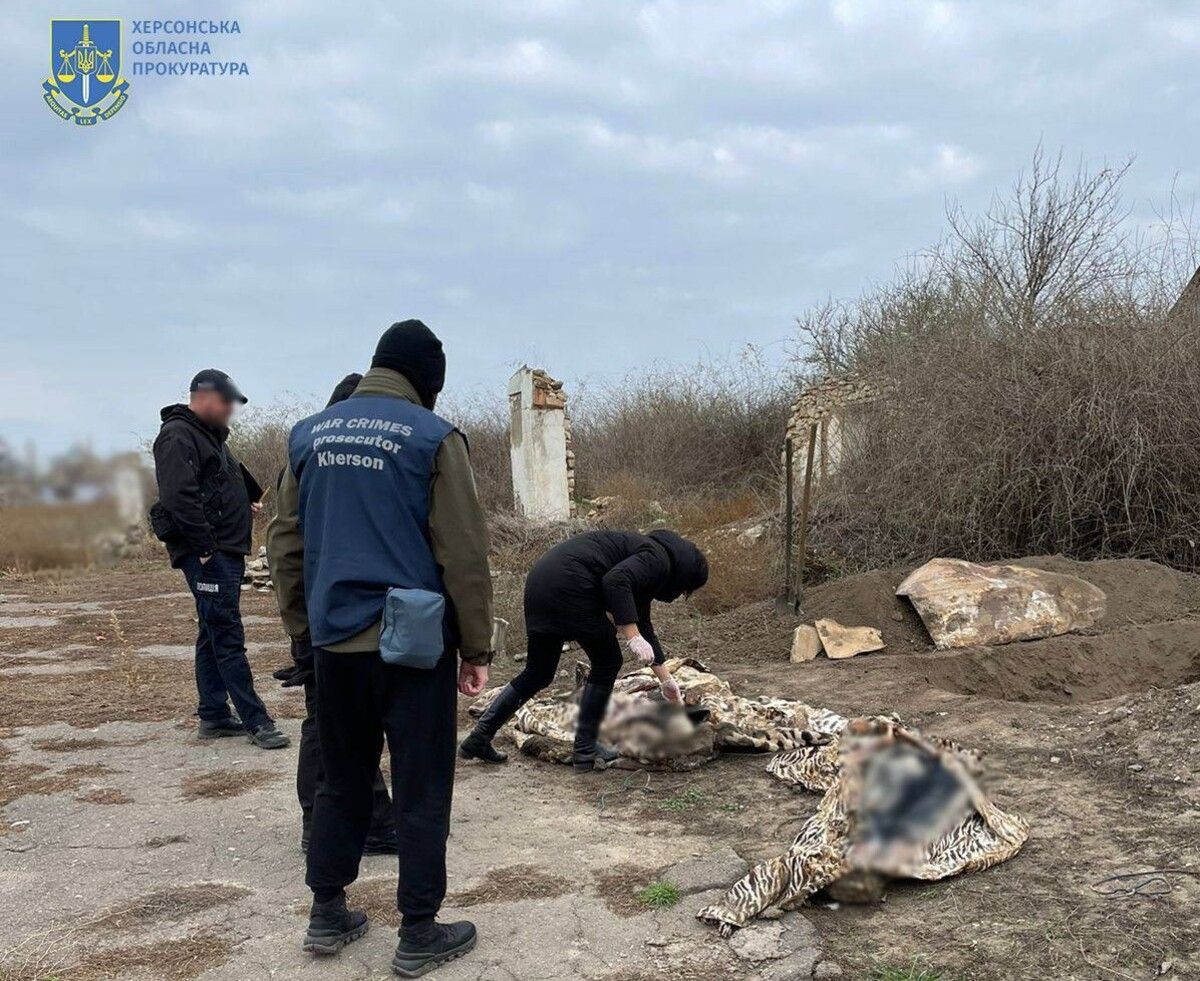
(1148, 638)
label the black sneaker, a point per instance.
(382, 844)
(221, 730)
(268, 737)
(331, 926)
(421, 951)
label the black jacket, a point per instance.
(202, 486)
(572, 588)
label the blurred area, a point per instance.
(73, 508)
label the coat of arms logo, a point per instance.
(85, 82)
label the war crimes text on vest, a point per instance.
(360, 431)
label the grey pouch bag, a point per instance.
(412, 628)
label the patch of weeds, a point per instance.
(732, 807)
(511, 884)
(659, 895)
(619, 886)
(883, 972)
(681, 802)
(219, 784)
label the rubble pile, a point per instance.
(258, 574)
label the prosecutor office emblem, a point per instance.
(85, 82)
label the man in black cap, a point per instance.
(379, 554)
(205, 509)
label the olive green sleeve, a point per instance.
(459, 536)
(285, 556)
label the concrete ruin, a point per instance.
(825, 404)
(543, 463)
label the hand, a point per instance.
(256, 507)
(472, 678)
(670, 689)
(640, 648)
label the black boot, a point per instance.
(593, 700)
(478, 745)
(331, 926)
(423, 948)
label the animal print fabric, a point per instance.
(637, 725)
(821, 852)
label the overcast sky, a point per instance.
(585, 184)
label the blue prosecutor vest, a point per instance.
(364, 467)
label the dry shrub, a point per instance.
(484, 421)
(714, 426)
(1038, 395)
(259, 438)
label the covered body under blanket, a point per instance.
(896, 805)
(649, 733)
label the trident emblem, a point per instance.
(82, 59)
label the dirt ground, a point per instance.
(132, 850)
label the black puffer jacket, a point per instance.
(572, 588)
(202, 486)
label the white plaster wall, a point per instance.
(539, 453)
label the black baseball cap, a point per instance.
(213, 380)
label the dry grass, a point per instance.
(220, 784)
(168, 905)
(511, 884)
(32, 779)
(375, 897)
(74, 744)
(41, 536)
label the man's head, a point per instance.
(412, 349)
(214, 396)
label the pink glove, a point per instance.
(640, 648)
(670, 690)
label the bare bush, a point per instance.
(685, 431)
(1038, 396)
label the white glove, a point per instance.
(640, 648)
(670, 690)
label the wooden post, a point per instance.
(804, 502)
(788, 530)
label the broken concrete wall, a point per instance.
(543, 463)
(828, 404)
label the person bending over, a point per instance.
(593, 588)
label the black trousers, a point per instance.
(545, 650)
(310, 772)
(361, 700)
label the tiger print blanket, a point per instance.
(816, 750)
(828, 846)
(648, 734)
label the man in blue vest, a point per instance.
(379, 500)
